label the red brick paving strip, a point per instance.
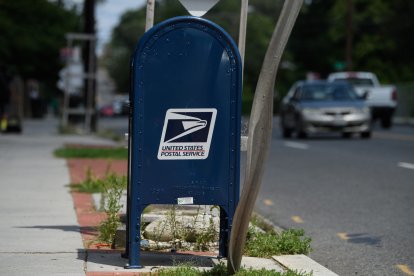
(78, 168)
(88, 218)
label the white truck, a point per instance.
(382, 99)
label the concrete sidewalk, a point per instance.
(39, 231)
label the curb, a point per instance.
(298, 262)
(304, 264)
(403, 121)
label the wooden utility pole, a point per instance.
(150, 14)
(242, 29)
(89, 65)
(260, 131)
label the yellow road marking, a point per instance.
(343, 236)
(268, 202)
(297, 219)
(405, 269)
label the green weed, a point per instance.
(113, 187)
(221, 270)
(90, 185)
(265, 245)
(210, 234)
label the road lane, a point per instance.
(350, 195)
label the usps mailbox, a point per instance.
(185, 123)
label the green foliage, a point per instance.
(266, 245)
(184, 270)
(209, 235)
(187, 231)
(226, 13)
(118, 53)
(317, 43)
(32, 32)
(220, 269)
(84, 152)
(113, 187)
(379, 40)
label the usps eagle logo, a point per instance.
(187, 133)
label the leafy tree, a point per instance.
(317, 43)
(32, 32)
(118, 53)
(226, 13)
(381, 43)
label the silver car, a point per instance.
(321, 106)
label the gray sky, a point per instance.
(108, 14)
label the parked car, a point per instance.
(119, 107)
(322, 106)
(106, 110)
(10, 123)
(382, 99)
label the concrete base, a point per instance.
(303, 263)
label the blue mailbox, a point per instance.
(185, 123)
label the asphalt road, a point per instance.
(353, 197)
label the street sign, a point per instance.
(198, 7)
(185, 123)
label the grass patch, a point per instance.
(221, 270)
(84, 152)
(265, 245)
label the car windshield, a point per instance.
(357, 81)
(328, 93)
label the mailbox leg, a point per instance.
(134, 239)
(224, 234)
(125, 255)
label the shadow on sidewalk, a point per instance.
(109, 258)
(89, 230)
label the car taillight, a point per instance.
(394, 95)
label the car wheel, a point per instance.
(386, 122)
(286, 132)
(366, 134)
(347, 134)
(302, 134)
